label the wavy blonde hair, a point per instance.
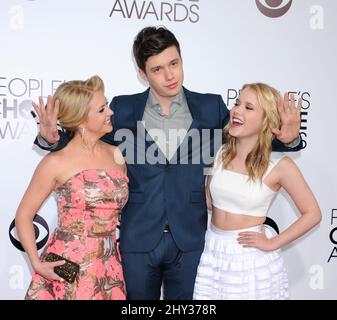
(74, 97)
(257, 160)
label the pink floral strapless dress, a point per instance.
(89, 204)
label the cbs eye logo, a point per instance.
(272, 9)
(41, 233)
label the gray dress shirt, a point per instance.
(168, 131)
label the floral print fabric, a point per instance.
(89, 204)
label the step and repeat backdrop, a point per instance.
(291, 45)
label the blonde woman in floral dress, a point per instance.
(89, 179)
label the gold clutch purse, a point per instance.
(68, 271)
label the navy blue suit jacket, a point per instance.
(165, 191)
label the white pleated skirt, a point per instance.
(228, 271)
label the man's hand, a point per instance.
(48, 119)
(290, 119)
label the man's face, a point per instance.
(164, 72)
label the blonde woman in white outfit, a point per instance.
(241, 258)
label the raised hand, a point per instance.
(48, 119)
(290, 119)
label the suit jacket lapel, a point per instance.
(139, 106)
(194, 109)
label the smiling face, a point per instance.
(246, 117)
(98, 121)
(164, 72)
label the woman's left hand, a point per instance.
(290, 119)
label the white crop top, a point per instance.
(232, 192)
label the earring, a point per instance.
(84, 141)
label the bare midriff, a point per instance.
(231, 221)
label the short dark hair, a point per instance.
(151, 41)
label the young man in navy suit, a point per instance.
(164, 222)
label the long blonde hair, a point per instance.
(74, 97)
(257, 160)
